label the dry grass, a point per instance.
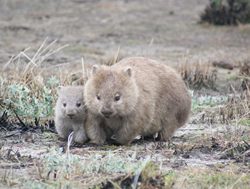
(28, 86)
(235, 108)
(198, 75)
(245, 75)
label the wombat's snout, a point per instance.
(106, 113)
(70, 115)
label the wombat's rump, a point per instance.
(136, 96)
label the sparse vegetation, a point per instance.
(29, 100)
(29, 103)
(211, 151)
(245, 75)
(225, 109)
(213, 179)
(198, 75)
(203, 102)
(227, 12)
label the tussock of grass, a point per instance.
(198, 75)
(232, 108)
(24, 88)
(227, 12)
(29, 103)
(245, 75)
(202, 102)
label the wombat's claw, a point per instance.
(75, 144)
(155, 135)
(138, 137)
(113, 137)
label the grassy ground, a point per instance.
(211, 151)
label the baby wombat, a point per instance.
(136, 96)
(70, 113)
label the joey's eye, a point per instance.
(78, 104)
(117, 97)
(98, 97)
(64, 104)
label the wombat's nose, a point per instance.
(70, 115)
(106, 113)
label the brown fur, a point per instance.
(70, 113)
(153, 98)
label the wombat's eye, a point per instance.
(78, 104)
(64, 104)
(117, 97)
(98, 97)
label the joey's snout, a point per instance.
(71, 113)
(106, 113)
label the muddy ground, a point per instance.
(166, 30)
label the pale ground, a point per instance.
(165, 30)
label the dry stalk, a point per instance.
(198, 75)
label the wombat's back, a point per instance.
(163, 88)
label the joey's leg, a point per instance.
(63, 129)
(94, 130)
(79, 133)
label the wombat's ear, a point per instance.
(94, 69)
(128, 71)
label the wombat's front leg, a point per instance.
(79, 135)
(127, 133)
(63, 128)
(94, 130)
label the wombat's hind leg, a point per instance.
(168, 130)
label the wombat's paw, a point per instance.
(113, 141)
(120, 140)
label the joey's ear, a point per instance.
(94, 69)
(128, 71)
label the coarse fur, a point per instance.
(136, 96)
(70, 113)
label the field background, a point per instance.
(212, 151)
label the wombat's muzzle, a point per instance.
(106, 113)
(71, 116)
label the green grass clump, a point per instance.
(67, 170)
(202, 102)
(30, 103)
(245, 122)
(169, 179)
(221, 180)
